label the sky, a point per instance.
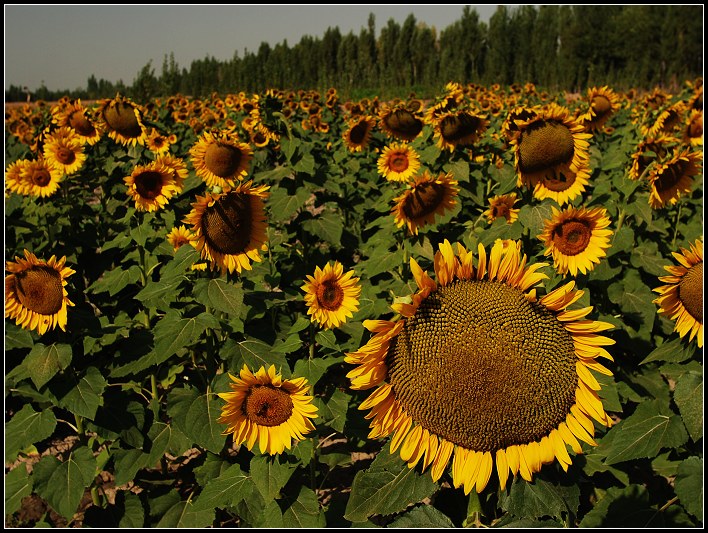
(61, 46)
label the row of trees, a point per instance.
(554, 46)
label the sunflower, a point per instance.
(35, 297)
(179, 236)
(682, 297)
(157, 143)
(331, 295)
(478, 371)
(648, 151)
(151, 186)
(123, 121)
(604, 103)
(693, 129)
(398, 162)
(522, 114)
(266, 408)
(65, 150)
(358, 133)
(576, 238)
(551, 154)
(427, 196)
(674, 177)
(39, 178)
(220, 159)
(74, 115)
(399, 122)
(459, 128)
(13, 176)
(503, 206)
(230, 227)
(669, 119)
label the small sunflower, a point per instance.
(266, 408)
(40, 178)
(480, 372)
(123, 121)
(35, 297)
(682, 295)
(674, 177)
(230, 227)
(177, 166)
(13, 176)
(503, 206)
(398, 162)
(157, 143)
(65, 150)
(151, 186)
(220, 159)
(358, 133)
(459, 128)
(179, 236)
(331, 295)
(576, 238)
(427, 196)
(604, 103)
(400, 123)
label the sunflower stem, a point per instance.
(79, 425)
(95, 498)
(676, 223)
(312, 340)
(474, 510)
(153, 386)
(620, 221)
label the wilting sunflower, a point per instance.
(266, 408)
(503, 206)
(123, 121)
(648, 151)
(399, 122)
(604, 103)
(398, 162)
(459, 128)
(74, 115)
(65, 150)
(40, 178)
(682, 297)
(358, 133)
(230, 227)
(674, 177)
(35, 297)
(179, 236)
(576, 238)
(427, 196)
(551, 154)
(151, 186)
(220, 159)
(331, 295)
(693, 129)
(481, 372)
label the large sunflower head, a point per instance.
(681, 297)
(40, 178)
(65, 149)
(332, 295)
(398, 122)
(151, 186)
(426, 197)
(220, 159)
(358, 133)
(480, 371)
(604, 103)
(398, 162)
(459, 128)
(266, 408)
(35, 294)
(576, 238)
(502, 206)
(75, 116)
(123, 120)
(674, 177)
(230, 227)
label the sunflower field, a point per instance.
(292, 309)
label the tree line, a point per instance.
(556, 47)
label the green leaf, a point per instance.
(230, 488)
(541, 498)
(184, 258)
(270, 474)
(622, 241)
(626, 507)
(160, 435)
(314, 369)
(328, 226)
(160, 294)
(327, 339)
(388, 486)
(82, 397)
(689, 486)
(134, 515)
(289, 345)
(184, 514)
(647, 257)
(534, 217)
(594, 464)
(636, 301)
(255, 354)
(16, 337)
(423, 516)
(27, 427)
(116, 280)
(688, 396)
(128, 463)
(306, 165)
(44, 362)
(651, 428)
(18, 484)
(673, 351)
(500, 229)
(304, 512)
(220, 294)
(201, 424)
(142, 231)
(62, 485)
(460, 170)
(334, 411)
(282, 205)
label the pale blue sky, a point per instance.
(62, 45)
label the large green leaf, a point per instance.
(333, 410)
(18, 484)
(673, 351)
(327, 226)
(534, 217)
(313, 369)
(282, 205)
(81, 396)
(688, 396)
(116, 280)
(160, 294)
(230, 488)
(44, 362)
(219, 294)
(27, 427)
(201, 424)
(423, 516)
(270, 474)
(185, 514)
(16, 337)
(541, 498)
(689, 486)
(304, 512)
(255, 354)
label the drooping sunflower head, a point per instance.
(603, 103)
(65, 150)
(502, 206)
(123, 120)
(220, 159)
(40, 178)
(668, 122)
(151, 186)
(459, 128)
(332, 295)
(400, 123)
(75, 116)
(35, 293)
(398, 162)
(266, 408)
(577, 238)
(479, 371)
(681, 297)
(358, 133)
(649, 151)
(230, 227)
(674, 177)
(426, 197)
